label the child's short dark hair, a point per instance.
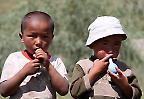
(38, 14)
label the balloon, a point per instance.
(112, 66)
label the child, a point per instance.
(91, 77)
(33, 73)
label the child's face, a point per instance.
(107, 45)
(37, 35)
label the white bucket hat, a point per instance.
(102, 27)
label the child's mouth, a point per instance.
(36, 48)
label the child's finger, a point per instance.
(35, 61)
(96, 60)
(39, 55)
(106, 58)
(38, 50)
(37, 65)
(112, 75)
(119, 71)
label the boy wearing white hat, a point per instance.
(102, 76)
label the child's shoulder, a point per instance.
(14, 54)
(127, 70)
(85, 64)
(54, 58)
(56, 61)
(122, 64)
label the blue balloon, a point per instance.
(112, 66)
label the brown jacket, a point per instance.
(103, 88)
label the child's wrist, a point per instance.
(46, 63)
(24, 72)
(128, 91)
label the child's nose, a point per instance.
(38, 42)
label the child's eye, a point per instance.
(45, 36)
(32, 36)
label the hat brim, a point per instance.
(96, 36)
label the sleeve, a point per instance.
(80, 83)
(8, 70)
(60, 67)
(137, 93)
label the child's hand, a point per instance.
(42, 56)
(32, 67)
(120, 79)
(101, 65)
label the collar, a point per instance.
(92, 58)
(27, 55)
(30, 56)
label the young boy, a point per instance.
(33, 73)
(92, 78)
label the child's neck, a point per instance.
(93, 58)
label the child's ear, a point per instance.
(53, 36)
(20, 35)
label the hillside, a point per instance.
(72, 18)
(138, 45)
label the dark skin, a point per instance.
(37, 38)
(103, 50)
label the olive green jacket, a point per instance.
(103, 88)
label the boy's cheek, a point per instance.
(101, 54)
